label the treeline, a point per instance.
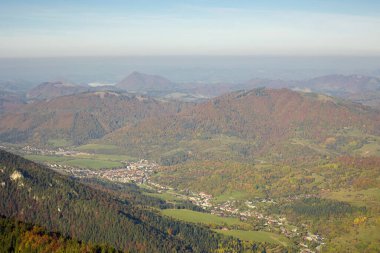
(35, 194)
(316, 207)
(138, 196)
(16, 236)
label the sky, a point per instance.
(45, 28)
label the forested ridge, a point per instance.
(315, 156)
(247, 124)
(35, 194)
(16, 236)
(79, 118)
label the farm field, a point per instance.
(368, 197)
(59, 143)
(257, 236)
(106, 157)
(370, 149)
(76, 162)
(204, 218)
(46, 158)
(169, 197)
(93, 163)
(99, 148)
(361, 238)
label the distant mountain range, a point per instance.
(257, 121)
(15, 86)
(246, 124)
(302, 150)
(341, 84)
(363, 89)
(358, 88)
(10, 101)
(139, 82)
(49, 90)
(80, 117)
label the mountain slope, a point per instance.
(139, 82)
(247, 124)
(10, 101)
(268, 83)
(341, 84)
(357, 88)
(370, 98)
(49, 90)
(22, 237)
(78, 118)
(35, 194)
(15, 86)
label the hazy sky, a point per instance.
(91, 28)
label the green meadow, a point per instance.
(257, 236)
(89, 163)
(203, 218)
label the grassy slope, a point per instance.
(93, 164)
(210, 219)
(367, 197)
(257, 236)
(198, 217)
(164, 196)
(97, 147)
(76, 162)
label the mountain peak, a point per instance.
(141, 82)
(137, 73)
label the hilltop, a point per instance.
(243, 124)
(49, 90)
(247, 124)
(357, 88)
(139, 82)
(344, 84)
(79, 118)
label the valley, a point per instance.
(266, 168)
(243, 217)
(189, 126)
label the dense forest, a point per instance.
(35, 194)
(80, 117)
(243, 125)
(16, 236)
(315, 156)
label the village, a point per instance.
(249, 212)
(134, 172)
(140, 172)
(270, 223)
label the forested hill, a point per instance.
(16, 236)
(79, 118)
(34, 194)
(143, 83)
(49, 90)
(247, 123)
